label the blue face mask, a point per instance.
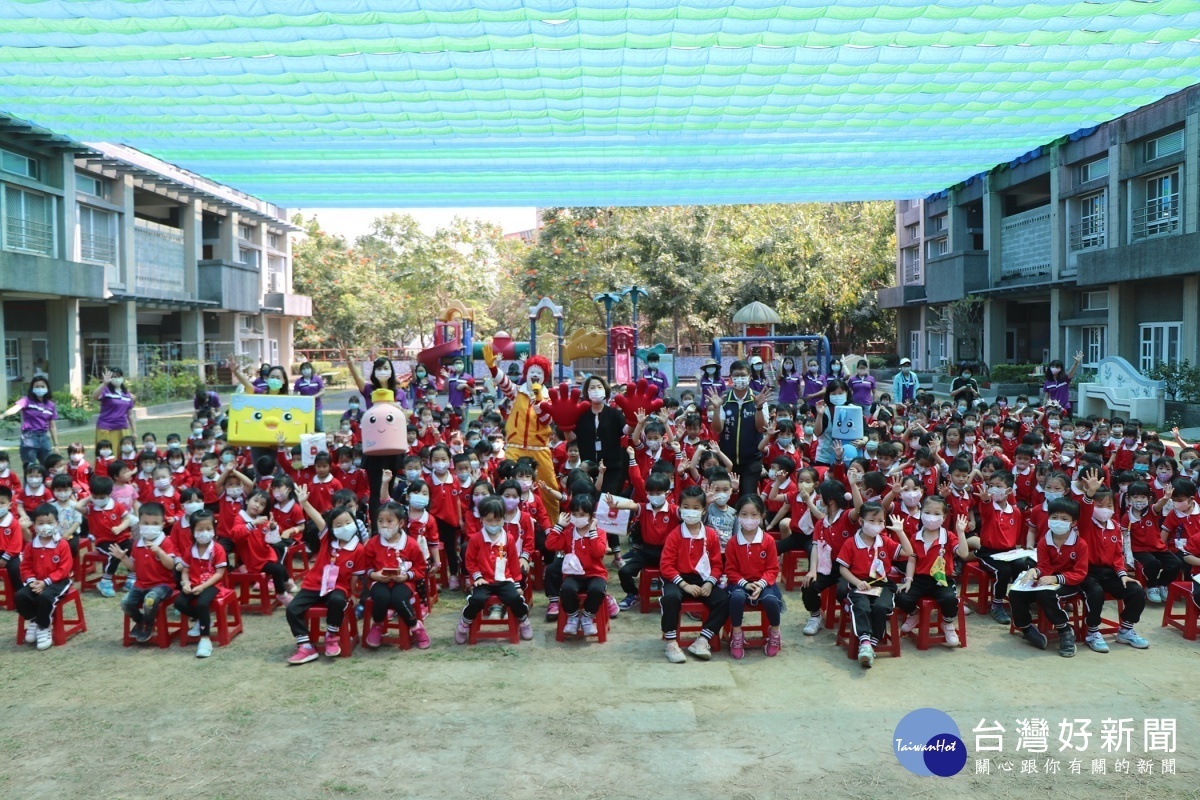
(784, 441)
(1141, 469)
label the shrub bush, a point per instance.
(1182, 380)
(1016, 373)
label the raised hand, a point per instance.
(489, 357)
(564, 406)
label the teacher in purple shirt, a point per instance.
(38, 414)
(310, 384)
(654, 375)
(1057, 388)
(116, 407)
(862, 385)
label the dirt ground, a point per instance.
(549, 720)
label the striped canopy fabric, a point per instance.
(595, 102)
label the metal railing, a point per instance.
(27, 234)
(97, 249)
(1087, 234)
(160, 357)
(912, 274)
(1160, 216)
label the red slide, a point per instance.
(431, 359)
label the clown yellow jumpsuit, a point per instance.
(527, 435)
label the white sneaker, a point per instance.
(495, 612)
(700, 649)
(813, 625)
(909, 624)
(572, 625)
(866, 655)
(31, 632)
(44, 639)
(674, 654)
(194, 631)
(204, 648)
(589, 626)
(951, 636)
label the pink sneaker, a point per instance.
(304, 654)
(333, 648)
(552, 611)
(737, 645)
(460, 633)
(909, 624)
(284, 599)
(453, 582)
(420, 636)
(374, 635)
(613, 608)
(774, 645)
(526, 629)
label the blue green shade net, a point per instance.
(602, 102)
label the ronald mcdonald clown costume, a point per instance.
(527, 432)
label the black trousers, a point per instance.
(926, 586)
(1050, 602)
(749, 474)
(1160, 567)
(592, 589)
(278, 574)
(811, 595)
(797, 540)
(110, 566)
(1104, 579)
(40, 607)
(396, 596)
(552, 578)
(449, 536)
(508, 592)
(297, 611)
(197, 606)
(374, 467)
(643, 557)
(717, 603)
(13, 565)
(869, 614)
(1002, 572)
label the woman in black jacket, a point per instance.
(598, 433)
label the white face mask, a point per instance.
(721, 498)
(203, 537)
(388, 533)
(62, 496)
(46, 531)
(911, 498)
(193, 507)
(1059, 527)
(657, 501)
(873, 528)
(234, 493)
(654, 445)
(931, 521)
(441, 467)
(151, 534)
(345, 533)
(418, 501)
(1102, 514)
(741, 382)
(493, 530)
(581, 523)
(690, 516)
(162, 483)
(596, 395)
(749, 524)
(837, 399)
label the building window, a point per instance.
(21, 165)
(97, 245)
(1093, 343)
(245, 232)
(248, 256)
(1165, 145)
(912, 232)
(12, 360)
(937, 224)
(1160, 214)
(28, 221)
(90, 184)
(1089, 231)
(936, 248)
(1095, 301)
(1093, 170)
(911, 261)
(1160, 344)
(274, 241)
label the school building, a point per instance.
(1088, 243)
(112, 258)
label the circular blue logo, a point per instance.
(927, 743)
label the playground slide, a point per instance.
(431, 358)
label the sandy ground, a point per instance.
(549, 720)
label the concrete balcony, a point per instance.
(34, 274)
(288, 305)
(900, 296)
(1160, 257)
(955, 275)
(233, 286)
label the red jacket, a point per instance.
(201, 568)
(1069, 562)
(590, 549)
(999, 530)
(682, 555)
(150, 571)
(349, 557)
(51, 563)
(406, 556)
(522, 529)
(12, 539)
(747, 562)
(1145, 534)
(1105, 548)
(423, 524)
(482, 555)
(251, 546)
(657, 526)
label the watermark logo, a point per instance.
(927, 743)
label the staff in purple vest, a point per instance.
(38, 415)
(1057, 388)
(813, 387)
(310, 384)
(656, 376)
(116, 407)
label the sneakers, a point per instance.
(31, 632)
(495, 612)
(909, 624)
(611, 603)
(571, 626)
(774, 644)
(333, 648)
(866, 655)
(618, 562)
(285, 600)
(44, 639)
(204, 648)
(737, 646)
(1066, 642)
(453, 583)
(461, 631)
(656, 584)
(374, 635)
(1096, 642)
(589, 626)
(552, 611)
(812, 625)
(1035, 637)
(420, 636)
(951, 636)
(1130, 637)
(105, 588)
(695, 617)
(144, 632)
(304, 654)
(194, 631)
(629, 602)
(1157, 594)
(1000, 614)
(525, 629)
(674, 654)
(700, 649)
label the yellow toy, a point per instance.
(259, 419)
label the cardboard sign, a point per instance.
(259, 419)
(847, 423)
(611, 520)
(310, 445)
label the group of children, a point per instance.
(1105, 505)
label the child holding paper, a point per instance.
(864, 561)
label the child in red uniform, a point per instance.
(583, 572)
(286, 513)
(143, 480)
(36, 492)
(517, 521)
(1062, 563)
(999, 532)
(1106, 567)
(445, 506)
(46, 569)
(834, 525)
(153, 560)
(930, 572)
(395, 565)
(692, 565)
(78, 467)
(249, 533)
(752, 567)
(202, 565)
(165, 494)
(657, 518)
(1182, 520)
(177, 465)
(351, 476)
(322, 484)
(492, 567)
(12, 538)
(108, 525)
(339, 557)
(865, 562)
(181, 534)
(1148, 543)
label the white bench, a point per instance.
(1119, 388)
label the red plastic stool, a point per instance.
(347, 635)
(981, 597)
(8, 593)
(226, 616)
(89, 579)
(537, 570)
(1073, 605)
(85, 546)
(830, 606)
(1185, 621)
(601, 622)
(431, 590)
(686, 626)
(1110, 626)
(791, 568)
(255, 592)
(760, 629)
(163, 632)
(891, 640)
(645, 593)
(402, 639)
(296, 550)
(483, 628)
(62, 627)
(927, 634)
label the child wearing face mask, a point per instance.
(584, 576)
(67, 504)
(252, 535)
(339, 556)
(1061, 563)
(177, 467)
(492, 562)
(1147, 540)
(655, 519)
(45, 576)
(531, 500)
(181, 536)
(395, 565)
(446, 507)
(1000, 532)
(865, 563)
(202, 565)
(719, 514)
(1165, 473)
(322, 484)
(8, 476)
(752, 568)
(1106, 567)
(930, 571)
(692, 566)
(165, 494)
(422, 524)
(35, 492)
(78, 467)
(12, 537)
(153, 560)
(517, 522)
(286, 514)
(108, 526)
